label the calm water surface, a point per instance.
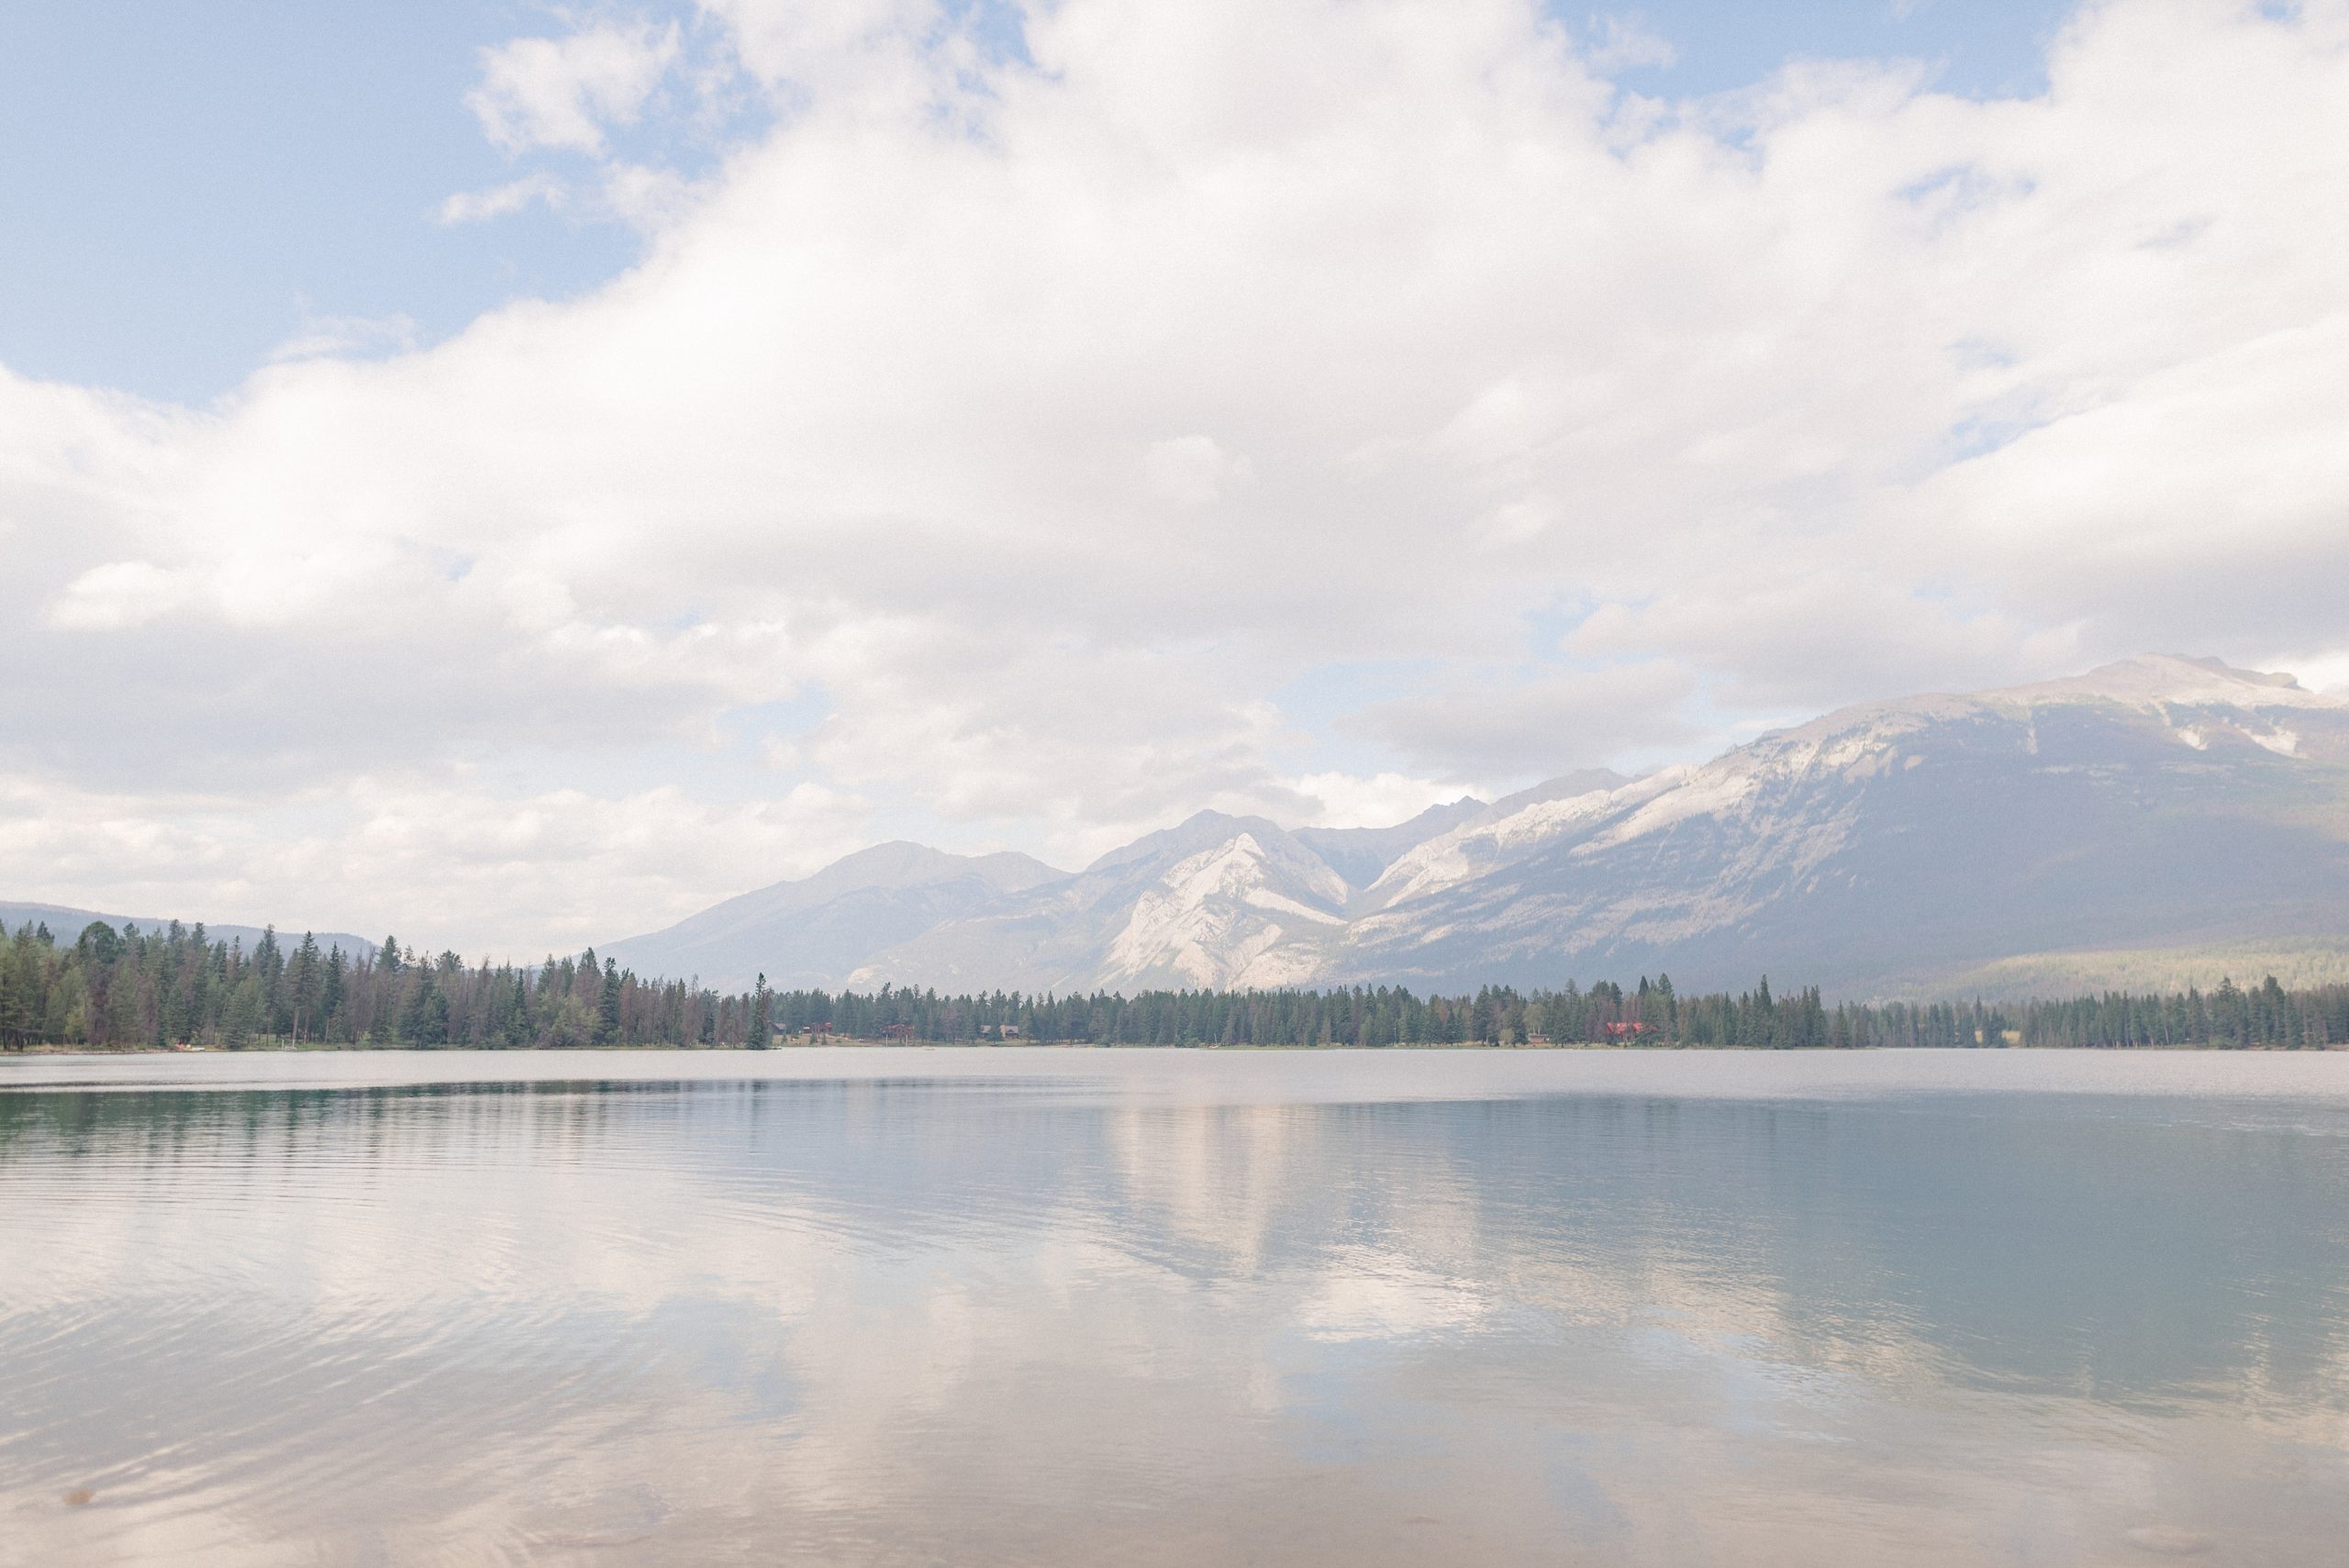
(1078, 1307)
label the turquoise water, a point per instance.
(1040, 1306)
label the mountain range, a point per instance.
(65, 923)
(2156, 821)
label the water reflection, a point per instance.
(1042, 1318)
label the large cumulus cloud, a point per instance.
(985, 449)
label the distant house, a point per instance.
(1006, 1031)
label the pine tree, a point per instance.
(269, 968)
(305, 984)
(425, 1020)
(330, 999)
(241, 1020)
(607, 1005)
(517, 1026)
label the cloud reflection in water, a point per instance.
(1060, 1317)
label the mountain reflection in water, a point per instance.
(1052, 1307)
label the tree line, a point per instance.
(175, 986)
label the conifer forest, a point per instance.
(173, 986)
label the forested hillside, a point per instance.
(133, 988)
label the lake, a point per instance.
(1037, 1306)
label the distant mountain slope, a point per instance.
(1202, 903)
(65, 923)
(2159, 802)
(2153, 818)
(815, 932)
(1360, 854)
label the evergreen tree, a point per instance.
(515, 1027)
(332, 1024)
(607, 1005)
(425, 1019)
(243, 1017)
(268, 969)
(304, 985)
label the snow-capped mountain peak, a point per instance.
(1212, 916)
(2158, 681)
(2157, 799)
(1511, 828)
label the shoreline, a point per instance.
(846, 1042)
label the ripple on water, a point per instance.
(1366, 1308)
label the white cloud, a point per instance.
(563, 92)
(1777, 637)
(503, 201)
(1192, 470)
(881, 49)
(1627, 43)
(1559, 722)
(910, 459)
(643, 196)
(2326, 671)
(325, 335)
(118, 596)
(1348, 800)
(440, 862)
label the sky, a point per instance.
(513, 474)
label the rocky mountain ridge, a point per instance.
(2157, 805)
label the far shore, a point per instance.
(805, 1043)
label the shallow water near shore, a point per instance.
(1031, 1305)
